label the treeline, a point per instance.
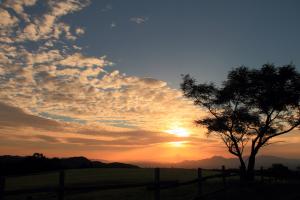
(11, 165)
(277, 171)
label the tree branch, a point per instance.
(281, 133)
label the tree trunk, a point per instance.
(250, 170)
(243, 171)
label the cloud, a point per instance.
(43, 57)
(18, 7)
(47, 139)
(15, 117)
(107, 7)
(139, 20)
(46, 26)
(113, 25)
(80, 31)
(56, 95)
(16, 125)
(60, 8)
(78, 60)
(59, 100)
(6, 20)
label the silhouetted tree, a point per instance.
(38, 155)
(252, 105)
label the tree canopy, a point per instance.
(252, 105)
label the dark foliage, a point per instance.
(280, 171)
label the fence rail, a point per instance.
(156, 185)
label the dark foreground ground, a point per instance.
(274, 191)
(258, 191)
(212, 189)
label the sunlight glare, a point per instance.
(180, 132)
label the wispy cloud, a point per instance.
(113, 25)
(15, 117)
(139, 20)
(107, 7)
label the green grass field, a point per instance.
(85, 177)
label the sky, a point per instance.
(102, 78)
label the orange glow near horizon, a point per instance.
(177, 144)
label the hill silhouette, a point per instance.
(216, 162)
(10, 165)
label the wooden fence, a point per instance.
(156, 186)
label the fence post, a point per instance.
(262, 174)
(199, 182)
(2, 187)
(157, 183)
(61, 192)
(224, 175)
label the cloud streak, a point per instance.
(139, 20)
(15, 117)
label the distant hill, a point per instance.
(39, 163)
(217, 161)
(210, 163)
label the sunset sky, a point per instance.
(101, 78)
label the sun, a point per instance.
(180, 132)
